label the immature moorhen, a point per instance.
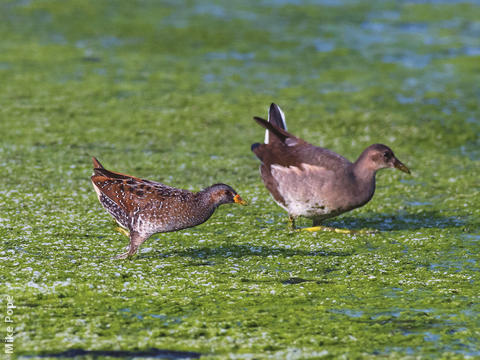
(314, 182)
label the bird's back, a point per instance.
(142, 205)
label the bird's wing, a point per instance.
(123, 198)
(298, 152)
(133, 192)
(301, 184)
(288, 150)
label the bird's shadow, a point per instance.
(202, 254)
(382, 223)
(398, 221)
(149, 353)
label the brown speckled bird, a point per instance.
(145, 207)
(314, 182)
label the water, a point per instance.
(167, 91)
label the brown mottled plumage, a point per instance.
(314, 182)
(147, 207)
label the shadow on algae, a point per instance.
(151, 353)
(399, 221)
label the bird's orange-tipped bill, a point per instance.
(238, 200)
(400, 166)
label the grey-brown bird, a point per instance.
(314, 182)
(145, 207)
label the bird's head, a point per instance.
(224, 194)
(379, 156)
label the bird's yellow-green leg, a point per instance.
(317, 227)
(336, 230)
(120, 229)
(327, 228)
(123, 231)
(291, 222)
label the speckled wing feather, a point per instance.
(123, 196)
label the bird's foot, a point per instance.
(121, 256)
(338, 231)
(126, 254)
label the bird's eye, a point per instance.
(387, 155)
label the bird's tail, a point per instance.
(96, 163)
(99, 170)
(277, 118)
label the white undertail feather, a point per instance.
(284, 123)
(97, 190)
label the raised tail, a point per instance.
(99, 170)
(96, 163)
(277, 118)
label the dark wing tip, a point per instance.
(254, 146)
(260, 121)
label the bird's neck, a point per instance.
(364, 178)
(204, 201)
(363, 169)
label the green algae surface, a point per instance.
(166, 90)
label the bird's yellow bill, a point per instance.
(239, 200)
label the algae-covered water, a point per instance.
(166, 90)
